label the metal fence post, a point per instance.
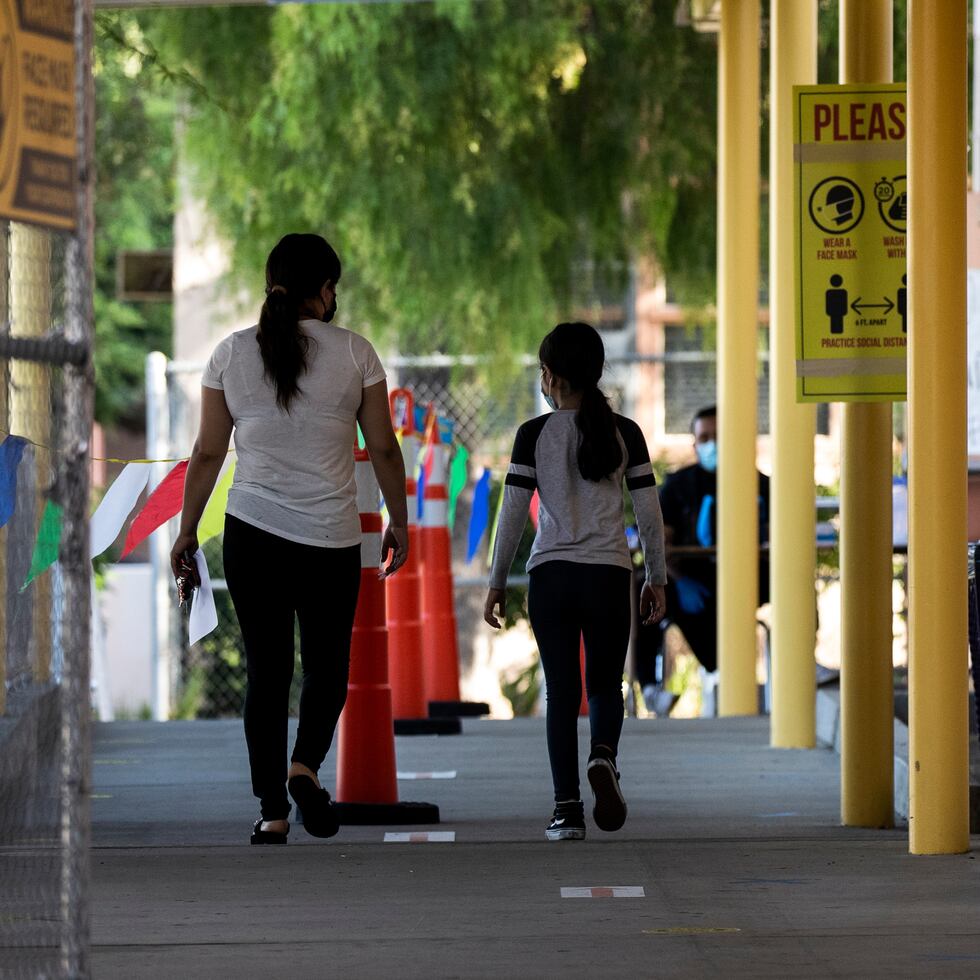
(158, 447)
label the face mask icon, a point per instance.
(841, 199)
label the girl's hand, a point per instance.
(653, 603)
(495, 598)
(182, 558)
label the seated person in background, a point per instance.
(688, 499)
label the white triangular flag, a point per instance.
(116, 506)
(204, 615)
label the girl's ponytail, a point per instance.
(599, 452)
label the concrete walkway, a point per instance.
(736, 847)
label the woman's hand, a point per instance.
(182, 558)
(495, 598)
(395, 543)
(653, 603)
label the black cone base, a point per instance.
(458, 709)
(428, 726)
(379, 814)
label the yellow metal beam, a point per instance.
(867, 744)
(937, 134)
(793, 61)
(738, 324)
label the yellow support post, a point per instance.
(938, 740)
(793, 61)
(867, 710)
(738, 325)
(30, 399)
(5, 425)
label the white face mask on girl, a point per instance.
(546, 394)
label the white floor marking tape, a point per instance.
(421, 837)
(605, 891)
(448, 774)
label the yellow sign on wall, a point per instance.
(851, 210)
(37, 112)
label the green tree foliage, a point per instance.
(134, 202)
(483, 167)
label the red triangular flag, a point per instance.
(165, 502)
(535, 507)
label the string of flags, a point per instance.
(164, 503)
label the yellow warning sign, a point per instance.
(851, 210)
(37, 112)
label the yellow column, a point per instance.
(738, 324)
(793, 54)
(30, 399)
(867, 750)
(938, 746)
(5, 426)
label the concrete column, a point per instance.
(937, 135)
(793, 61)
(867, 749)
(738, 325)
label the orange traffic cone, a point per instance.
(367, 786)
(404, 595)
(440, 649)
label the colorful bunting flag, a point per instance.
(165, 502)
(116, 506)
(457, 481)
(534, 509)
(11, 451)
(47, 544)
(496, 523)
(213, 519)
(421, 494)
(479, 515)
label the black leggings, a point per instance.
(568, 600)
(273, 581)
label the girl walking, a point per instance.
(293, 389)
(577, 459)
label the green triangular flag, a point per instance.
(457, 481)
(213, 519)
(48, 541)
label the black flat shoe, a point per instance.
(319, 816)
(267, 836)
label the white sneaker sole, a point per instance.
(609, 809)
(566, 833)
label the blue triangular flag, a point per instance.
(11, 451)
(421, 493)
(479, 515)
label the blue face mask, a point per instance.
(549, 401)
(707, 455)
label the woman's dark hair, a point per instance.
(574, 352)
(295, 272)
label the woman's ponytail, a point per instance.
(599, 452)
(296, 271)
(575, 352)
(283, 345)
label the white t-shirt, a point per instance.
(295, 471)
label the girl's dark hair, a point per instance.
(574, 352)
(295, 271)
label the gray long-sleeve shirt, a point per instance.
(578, 520)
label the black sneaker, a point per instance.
(568, 822)
(609, 809)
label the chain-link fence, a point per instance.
(45, 572)
(486, 400)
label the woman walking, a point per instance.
(577, 458)
(293, 389)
